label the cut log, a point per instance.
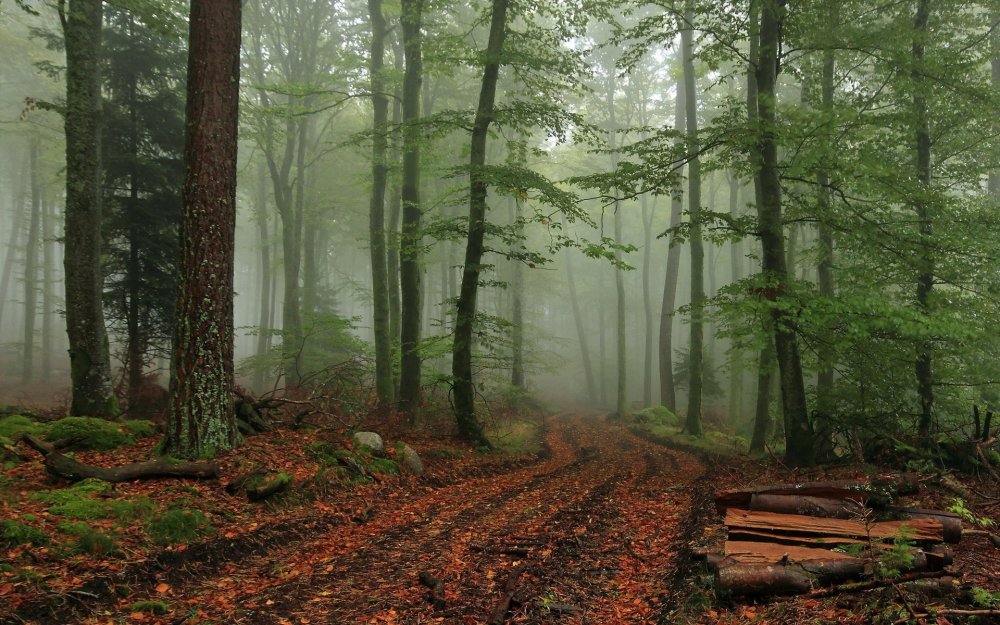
(738, 533)
(918, 529)
(436, 586)
(755, 580)
(69, 469)
(502, 606)
(876, 492)
(803, 504)
(878, 583)
(950, 522)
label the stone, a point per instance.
(371, 440)
(409, 460)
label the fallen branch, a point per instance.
(436, 586)
(69, 469)
(946, 612)
(499, 614)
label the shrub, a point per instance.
(96, 434)
(177, 526)
(13, 533)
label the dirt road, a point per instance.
(584, 535)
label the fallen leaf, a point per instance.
(161, 588)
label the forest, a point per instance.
(412, 311)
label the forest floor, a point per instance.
(597, 527)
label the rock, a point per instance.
(409, 461)
(371, 440)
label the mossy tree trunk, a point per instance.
(90, 361)
(465, 312)
(201, 420)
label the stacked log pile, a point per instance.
(789, 539)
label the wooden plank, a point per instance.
(739, 533)
(771, 553)
(919, 529)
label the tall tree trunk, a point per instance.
(409, 243)
(201, 383)
(306, 222)
(90, 361)
(265, 319)
(465, 313)
(136, 344)
(602, 345)
(762, 412)
(376, 210)
(581, 330)
(824, 269)
(517, 305)
(668, 392)
(395, 212)
(621, 360)
(994, 179)
(695, 354)
(925, 261)
(31, 268)
(735, 256)
(798, 434)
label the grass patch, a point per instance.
(89, 540)
(77, 502)
(178, 526)
(521, 436)
(13, 533)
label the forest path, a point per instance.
(587, 534)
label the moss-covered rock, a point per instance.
(656, 415)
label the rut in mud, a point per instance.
(585, 535)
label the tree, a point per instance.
(201, 419)
(31, 266)
(798, 434)
(90, 361)
(409, 240)
(465, 415)
(376, 217)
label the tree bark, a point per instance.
(201, 420)
(692, 424)
(90, 361)
(31, 268)
(376, 211)
(798, 434)
(409, 243)
(465, 415)
(668, 394)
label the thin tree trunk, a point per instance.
(824, 270)
(735, 356)
(695, 355)
(465, 415)
(925, 261)
(647, 299)
(602, 342)
(308, 228)
(48, 289)
(31, 268)
(762, 413)
(136, 344)
(798, 434)
(265, 323)
(409, 253)
(621, 386)
(376, 211)
(517, 306)
(90, 361)
(201, 419)
(17, 224)
(395, 211)
(581, 330)
(668, 393)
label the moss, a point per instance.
(95, 543)
(324, 453)
(658, 415)
(445, 453)
(14, 533)
(91, 433)
(139, 428)
(76, 502)
(177, 526)
(152, 607)
(383, 465)
(13, 426)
